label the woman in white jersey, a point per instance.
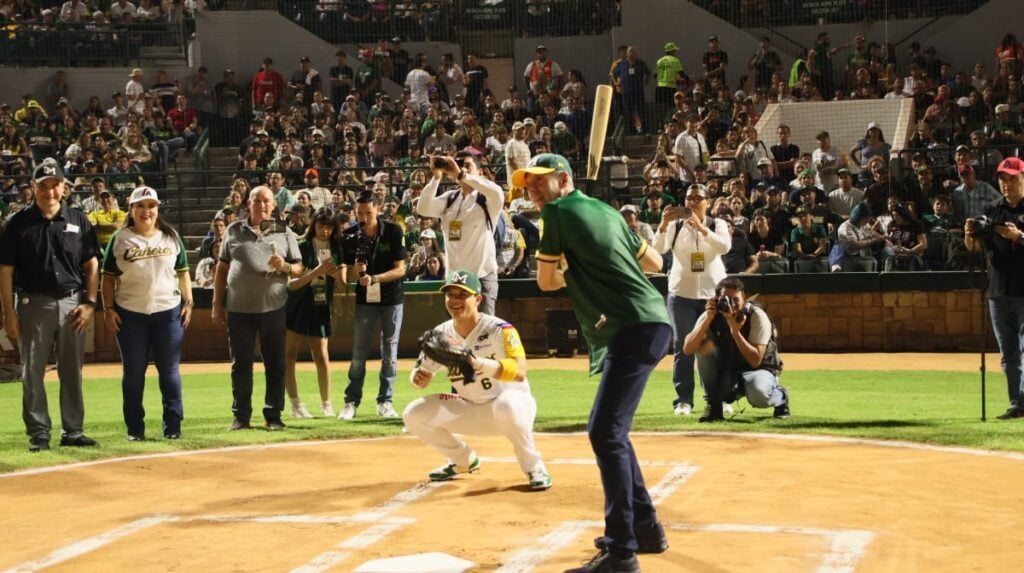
(147, 301)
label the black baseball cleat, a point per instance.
(1012, 412)
(607, 562)
(649, 542)
(239, 425)
(710, 416)
(79, 441)
(275, 425)
(782, 410)
(38, 445)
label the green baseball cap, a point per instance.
(465, 280)
(541, 165)
(671, 47)
(807, 172)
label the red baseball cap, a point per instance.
(1011, 166)
(312, 172)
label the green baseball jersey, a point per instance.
(667, 69)
(606, 284)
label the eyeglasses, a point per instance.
(697, 198)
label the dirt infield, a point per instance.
(862, 361)
(730, 502)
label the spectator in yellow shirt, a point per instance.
(106, 220)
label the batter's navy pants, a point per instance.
(632, 355)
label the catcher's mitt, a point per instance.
(445, 350)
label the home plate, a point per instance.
(433, 562)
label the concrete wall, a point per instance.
(591, 55)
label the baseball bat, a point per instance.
(598, 130)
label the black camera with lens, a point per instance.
(726, 305)
(982, 226)
(439, 163)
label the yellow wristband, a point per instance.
(509, 369)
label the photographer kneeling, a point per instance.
(737, 353)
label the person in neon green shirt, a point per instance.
(668, 70)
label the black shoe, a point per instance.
(136, 438)
(782, 411)
(607, 562)
(275, 425)
(712, 415)
(39, 444)
(79, 441)
(172, 436)
(1012, 412)
(239, 425)
(650, 542)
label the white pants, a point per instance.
(437, 417)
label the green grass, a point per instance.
(932, 407)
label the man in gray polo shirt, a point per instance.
(257, 257)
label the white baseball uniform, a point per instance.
(483, 407)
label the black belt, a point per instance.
(55, 294)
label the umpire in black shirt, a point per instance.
(1004, 241)
(49, 272)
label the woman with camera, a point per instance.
(697, 243)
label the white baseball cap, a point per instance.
(143, 193)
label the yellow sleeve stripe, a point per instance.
(509, 369)
(642, 250)
(548, 258)
(513, 346)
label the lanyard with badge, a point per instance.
(455, 226)
(320, 283)
(373, 289)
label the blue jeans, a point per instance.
(370, 318)
(683, 313)
(160, 333)
(243, 328)
(761, 387)
(632, 355)
(1007, 314)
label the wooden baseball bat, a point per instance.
(599, 129)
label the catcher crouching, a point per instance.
(490, 393)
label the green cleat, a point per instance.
(447, 472)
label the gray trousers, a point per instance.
(44, 322)
(489, 285)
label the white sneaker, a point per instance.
(348, 412)
(683, 409)
(299, 410)
(327, 409)
(386, 410)
(727, 409)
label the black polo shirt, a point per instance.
(387, 247)
(48, 254)
(1006, 271)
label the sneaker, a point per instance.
(79, 441)
(683, 409)
(239, 425)
(386, 410)
(782, 410)
(172, 436)
(539, 480)
(274, 425)
(348, 412)
(447, 472)
(608, 562)
(327, 409)
(727, 409)
(299, 410)
(136, 438)
(650, 542)
(1012, 412)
